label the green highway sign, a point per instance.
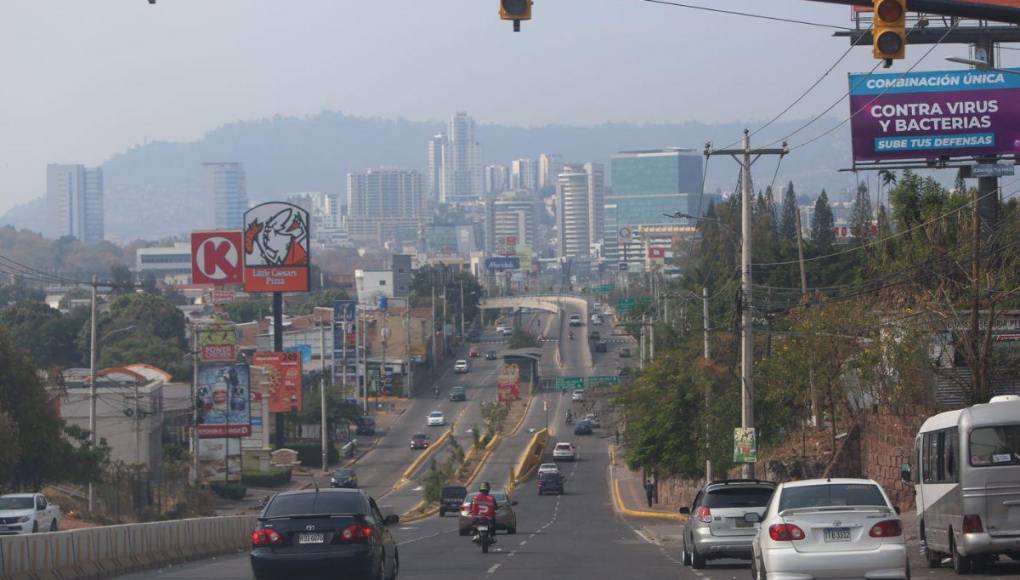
(625, 305)
(569, 383)
(603, 289)
(607, 380)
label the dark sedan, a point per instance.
(313, 532)
(490, 355)
(550, 482)
(583, 428)
(344, 478)
(420, 441)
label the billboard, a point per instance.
(219, 460)
(281, 371)
(926, 115)
(224, 401)
(509, 383)
(501, 263)
(217, 343)
(276, 248)
(216, 257)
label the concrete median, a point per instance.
(108, 551)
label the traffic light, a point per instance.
(515, 10)
(889, 30)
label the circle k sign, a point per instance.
(216, 257)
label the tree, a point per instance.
(822, 223)
(443, 277)
(122, 279)
(19, 291)
(142, 328)
(788, 215)
(45, 334)
(241, 311)
(860, 214)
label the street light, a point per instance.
(979, 64)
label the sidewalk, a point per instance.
(629, 493)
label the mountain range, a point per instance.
(155, 190)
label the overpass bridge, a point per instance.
(553, 303)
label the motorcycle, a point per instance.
(436, 393)
(483, 534)
(570, 419)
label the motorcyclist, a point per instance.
(435, 391)
(483, 509)
(570, 416)
(571, 334)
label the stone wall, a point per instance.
(887, 440)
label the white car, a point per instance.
(577, 396)
(548, 468)
(461, 366)
(503, 330)
(829, 528)
(27, 513)
(564, 451)
(436, 419)
(575, 320)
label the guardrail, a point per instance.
(103, 552)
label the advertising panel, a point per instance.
(509, 383)
(926, 115)
(281, 371)
(219, 460)
(224, 401)
(254, 441)
(501, 263)
(745, 445)
(276, 248)
(217, 343)
(216, 257)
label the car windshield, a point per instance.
(315, 503)
(831, 495)
(563, 446)
(549, 475)
(738, 497)
(16, 503)
(995, 446)
(343, 473)
(435, 414)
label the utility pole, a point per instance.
(194, 406)
(322, 392)
(704, 320)
(641, 348)
(278, 347)
(708, 395)
(435, 358)
(804, 294)
(744, 157)
(463, 330)
(92, 384)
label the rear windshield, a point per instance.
(738, 497)
(995, 446)
(305, 504)
(343, 473)
(454, 492)
(549, 475)
(832, 495)
(563, 446)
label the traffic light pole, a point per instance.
(1005, 14)
(746, 157)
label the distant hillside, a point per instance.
(154, 190)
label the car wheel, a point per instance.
(53, 525)
(931, 557)
(396, 566)
(685, 559)
(442, 512)
(35, 527)
(908, 569)
(512, 530)
(697, 560)
(961, 564)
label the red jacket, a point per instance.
(483, 506)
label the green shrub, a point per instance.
(275, 477)
(234, 491)
(310, 454)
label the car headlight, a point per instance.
(23, 519)
(332, 480)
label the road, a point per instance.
(575, 536)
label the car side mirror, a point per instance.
(752, 518)
(905, 473)
(898, 510)
(686, 511)
(391, 520)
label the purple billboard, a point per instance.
(927, 115)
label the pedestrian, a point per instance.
(649, 492)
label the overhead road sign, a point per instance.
(569, 383)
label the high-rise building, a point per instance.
(383, 204)
(549, 165)
(497, 179)
(461, 162)
(646, 185)
(572, 212)
(225, 183)
(524, 174)
(596, 199)
(74, 202)
(511, 222)
(436, 168)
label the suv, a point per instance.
(450, 499)
(458, 394)
(717, 524)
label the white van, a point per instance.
(968, 484)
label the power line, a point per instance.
(748, 14)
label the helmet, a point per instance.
(484, 488)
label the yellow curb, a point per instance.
(618, 499)
(435, 510)
(420, 460)
(404, 518)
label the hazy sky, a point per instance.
(83, 80)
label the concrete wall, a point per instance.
(108, 551)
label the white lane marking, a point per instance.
(523, 543)
(413, 540)
(492, 569)
(645, 537)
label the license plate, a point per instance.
(311, 538)
(483, 528)
(742, 523)
(837, 534)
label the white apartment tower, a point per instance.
(74, 202)
(226, 184)
(436, 178)
(580, 193)
(461, 161)
(549, 165)
(382, 201)
(524, 174)
(496, 179)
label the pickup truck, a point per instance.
(27, 513)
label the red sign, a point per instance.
(284, 369)
(276, 246)
(216, 257)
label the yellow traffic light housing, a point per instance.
(889, 30)
(515, 10)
